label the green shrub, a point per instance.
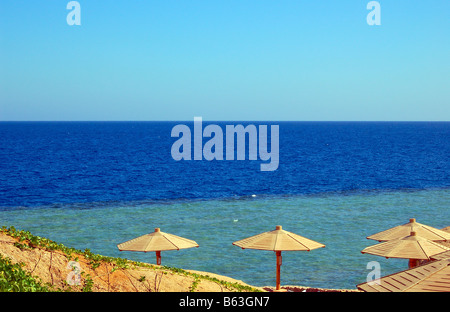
(14, 279)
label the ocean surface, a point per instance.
(97, 184)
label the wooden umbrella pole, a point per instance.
(413, 263)
(158, 257)
(278, 253)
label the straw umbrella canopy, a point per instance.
(403, 230)
(412, 247)
(157, 241)
(278, 240)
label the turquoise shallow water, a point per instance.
(341, 221)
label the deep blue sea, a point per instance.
(96, 184)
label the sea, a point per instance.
(93, 185)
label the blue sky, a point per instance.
(224, 60)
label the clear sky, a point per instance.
(225, 60)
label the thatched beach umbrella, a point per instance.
(412, 247)
(157, 241)
(404, 230)
(278, 240)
